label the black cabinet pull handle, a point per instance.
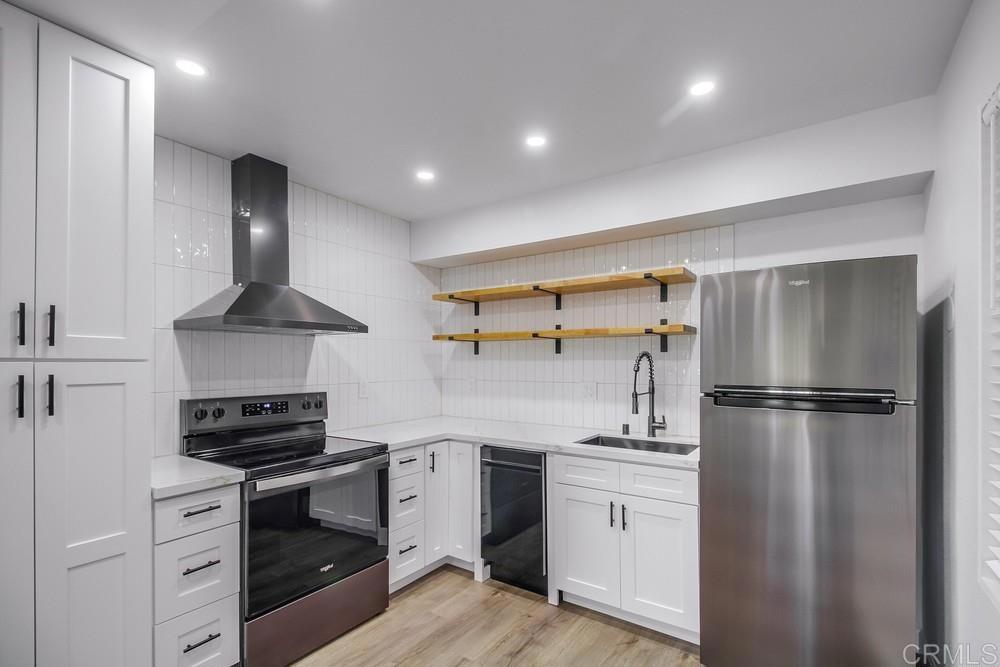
(612, 514)
(20, 397)
(410, 460)
(211, 637)
(624, 522)
(409, 548)
(20, 323)
(407, 498)
(432, 460)
(52, 395)
(52, 326)
(192, 570)
(210, 508)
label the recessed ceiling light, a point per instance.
(191, 67)
(535, 141)
(702, 88)
(425, 175)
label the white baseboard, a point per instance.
(427, 569)
(664, 628)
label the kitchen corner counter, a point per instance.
(177, 475)
(539, 437)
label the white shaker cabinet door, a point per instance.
(586, 536)
(95, 201)
(18, 52)
(660, 561)
(436, 501)
(17, 554)
(462, 467)
(93, 526)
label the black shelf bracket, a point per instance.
(664, 346)
(475, 343)
(664, 288)
(557, 295)
(452, 297)
(558, 341)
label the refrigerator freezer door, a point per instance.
(832, 324)
(808, 537)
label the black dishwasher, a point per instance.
(513, 516)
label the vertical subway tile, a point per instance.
(199, 180)
(163, 169)
(182, 175)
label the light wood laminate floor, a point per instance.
(447, 618)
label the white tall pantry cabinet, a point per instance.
(75, 292)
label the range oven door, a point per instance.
(307, 530)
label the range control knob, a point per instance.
(319, 403)
(219, 412)
(307, 404)
(200, 413)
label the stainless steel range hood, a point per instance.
(260, 300)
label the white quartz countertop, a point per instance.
(562, 439)
(177, 475)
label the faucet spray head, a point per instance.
(635, 403)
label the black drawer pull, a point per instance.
(20, 397)
(407, 498)
(211, 637)
(432, 460)
(20, 323)
(409, 548)
(410, 460)
(52, 326)
(192, 570)
(624, 522)
(210, 508)
(52, 395)
(612, 514)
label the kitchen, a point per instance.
(687, 359)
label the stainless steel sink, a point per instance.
(638, 443)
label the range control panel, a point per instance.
(268, 408)
(206, 415)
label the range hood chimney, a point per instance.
(260, 300)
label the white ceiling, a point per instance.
(354, 95)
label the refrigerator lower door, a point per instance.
(808, 537)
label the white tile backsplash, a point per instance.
(350, 257)
(590, 383)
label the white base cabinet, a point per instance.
(431, 506)
(630, 553)
(436, 490)
(462, 472)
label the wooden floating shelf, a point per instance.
(559, 335)
(670, 275)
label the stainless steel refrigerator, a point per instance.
(808, 464)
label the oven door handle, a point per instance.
(320, 474)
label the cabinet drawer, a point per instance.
(195, 570)
(679, 486)
(406, 462)
(406, 551)
(205, 637)
(591, 473)
(406, 500)
(195, 512)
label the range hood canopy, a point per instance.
(260, 300)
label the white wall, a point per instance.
(865, 148)
(952, 261)
(590, 383)
(350, 257)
